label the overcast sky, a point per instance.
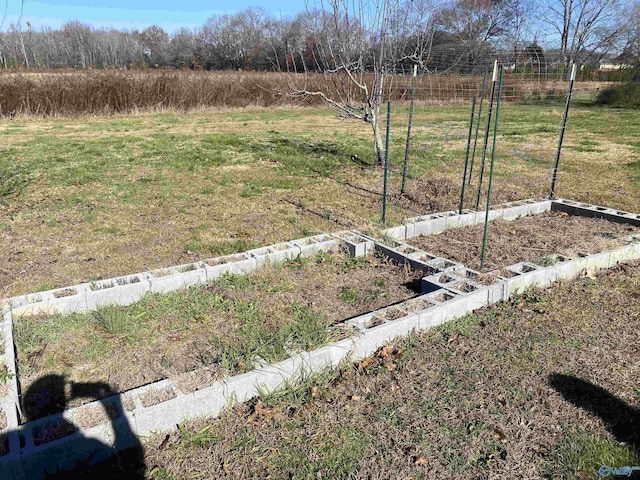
(130, 14)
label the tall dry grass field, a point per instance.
(80, 92)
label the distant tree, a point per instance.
(631, 51)
(584, 26)
(184, 47)
(155, 42)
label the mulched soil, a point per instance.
(527, 238)
(493, 396)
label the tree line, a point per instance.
(437, 35)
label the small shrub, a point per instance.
(622, 96)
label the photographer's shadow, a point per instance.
(79, 456)
(621, 419)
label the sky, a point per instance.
(138, 14)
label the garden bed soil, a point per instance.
(535, 238)
(202, 333)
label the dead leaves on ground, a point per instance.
(386, 357)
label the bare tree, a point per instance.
(354, 45)
(631, 51)
(584, 26)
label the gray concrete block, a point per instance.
(528, 275)
(397, 233)
(440, 280)
(358, 246)
(328, 356)
(11, 400)
(597, 261)
(430, 225)
(241, 388)
(238, 264)
(124, 290)
(372, 339)
(312, 245)
(536, 207)
(164, 416)
(444, 264)
(11, 462)
(360, 322)
(624, 253)
(595, 211)
(517, 211)
(274, 254)
(565, 268)
(169, 280)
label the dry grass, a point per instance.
(533, 238)
(67, 93)
(154, 397)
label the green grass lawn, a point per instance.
(94, 197)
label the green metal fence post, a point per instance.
(493, 158)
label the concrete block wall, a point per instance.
(439, 222)
(595, 211)
(450, 291)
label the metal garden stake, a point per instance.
(554, 175)
(486, 133)
(386, 165)
(466, 157)
(493, 158)
(406, 148)
(475, 141)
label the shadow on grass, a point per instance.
(621, 419)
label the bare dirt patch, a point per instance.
(532, 238)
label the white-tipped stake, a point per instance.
(573, 72)
(415, 70)
(495, 70)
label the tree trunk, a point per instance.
(377, 140)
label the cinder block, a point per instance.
(328, 356)
(360, 322)
(368, 342)
(528, 275)
(438, 281)
(359, 246)
(124, 290)
(595, 211)
(535, 207)
(11, 467)
(597, 261)
(564, 269)
(514, 212)
(443, 264)
(624, 253)
(165, 415)
(239, 263)
(241, 388)
(397, 233)
(312, 245)
(175, 279)
(430, 225)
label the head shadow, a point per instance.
(80, 456)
